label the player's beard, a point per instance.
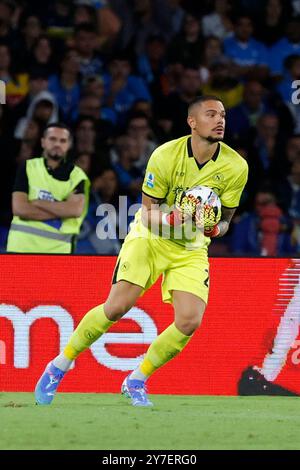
(213, 140)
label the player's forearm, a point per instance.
(61, 209)
(223, 226)
(151, 218)
(155, 219)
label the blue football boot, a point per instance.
(136, 391)
(47, 385)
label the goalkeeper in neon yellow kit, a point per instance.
(157, 244)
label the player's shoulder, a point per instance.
(169, 151)
(236, 160)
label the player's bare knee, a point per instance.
(188, 322)
(188, 326)
(121, 299)
(116, 309)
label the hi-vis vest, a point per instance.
(53, 235)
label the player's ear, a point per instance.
(191, 122)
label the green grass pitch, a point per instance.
(108, 421)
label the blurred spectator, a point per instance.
(16, 83)
(124, 10)
(25, 151)
(296, 7)
(292, 72)
(286, 89)
(218, 23)
(87, 140)
(142, 106)
(42, 55)
(85, 135)
(85, 43)
(7, 34)
(43, 108)
(187, 46)
(90, 106)
(270, 26)
(104, 191)
(38, 82)
(252, 8)
(146, 22)
(30, 30)
(151, 64)
(249, 55)
(94, 85)
(65, 86)
(288, 45)
(7, 174)
(139, 129)
(173, 15)
(243, 117)
(263, 231)
(84, 161)
(58, 18)
(224, 83)
(293, 148)
(266, 153)
(108, 24)
(130, 178)
(176, 104)
(212, 53)
(122, 88)
(84, 13)
(143, 18)
(288, 191)
(31, 135)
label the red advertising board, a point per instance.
(42, 298)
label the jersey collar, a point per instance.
(190, 153)
(62, 172)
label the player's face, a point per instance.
(56, 143)
(207, 120)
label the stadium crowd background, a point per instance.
(121, 74)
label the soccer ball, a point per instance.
(203, 204)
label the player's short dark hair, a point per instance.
(57, 125)
(201, 99)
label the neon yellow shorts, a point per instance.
(141, 261)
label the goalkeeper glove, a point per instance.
(175, 218)
(186, 209)
(212, 231)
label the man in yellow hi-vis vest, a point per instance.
(50, 198)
